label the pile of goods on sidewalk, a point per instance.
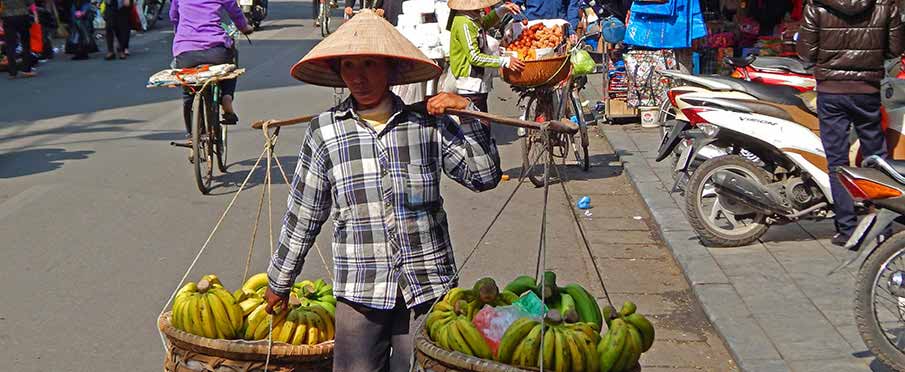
(533, 323)
(423, 22)
(207, 309)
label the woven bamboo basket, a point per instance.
(190, 353)
(430, 357)
(539, 72)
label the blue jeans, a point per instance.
(837, 113)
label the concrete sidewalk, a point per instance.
(771, 301)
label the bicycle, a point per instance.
(209, 135)
(323, 16)
(549, 102)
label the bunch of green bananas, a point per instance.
(207, 309)
(454, 331)
(316, 293)
(573, 301)
(629, 335)
(556, 345)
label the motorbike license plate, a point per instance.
(246, 2)
(685, 159)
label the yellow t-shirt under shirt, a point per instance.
(378, 116)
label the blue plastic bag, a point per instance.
(667, 9)
(664, 32)
(613, 30)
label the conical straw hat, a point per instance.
(366, 34)
(471, 4)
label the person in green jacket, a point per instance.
(469, 59)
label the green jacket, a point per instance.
(467, 60)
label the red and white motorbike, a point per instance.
(732, 199)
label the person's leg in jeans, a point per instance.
(362, 338)
(24, 30)
(405, 324)
(865, 109)
(834, 129)
(9, 46)
(110, 32)
(123, 29)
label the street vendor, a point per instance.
(377, 163)
(469, 55)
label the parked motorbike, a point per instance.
(679, 133)
(255, 11)
(880, 280)
(731, 200)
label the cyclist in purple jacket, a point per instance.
(199, 39)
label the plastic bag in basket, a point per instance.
(493, 322)
(582, 63)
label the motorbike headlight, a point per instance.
(709, 129)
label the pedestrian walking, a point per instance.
(378, 165)
(849, 40)
(470, 59)
(18, 16)
(117, 15)
(81, 35)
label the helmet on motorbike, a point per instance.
(366, 34)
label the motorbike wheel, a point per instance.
(878, 312)
(742, 224)
(152, 11)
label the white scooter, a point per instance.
(730, 199)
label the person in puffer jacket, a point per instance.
(849, 40)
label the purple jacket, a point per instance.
(197, 24)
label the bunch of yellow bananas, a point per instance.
(307, 320)
(207, 309)
(453, 331)
(629, 335)
(556, 345)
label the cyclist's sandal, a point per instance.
(230, 118)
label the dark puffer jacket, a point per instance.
(849, 40)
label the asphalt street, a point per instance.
(100, 216)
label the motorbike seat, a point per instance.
(739, 61)
(771, 93)
(897, 165)
(793, 65)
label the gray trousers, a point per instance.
(365, 337)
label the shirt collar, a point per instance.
(346, 109)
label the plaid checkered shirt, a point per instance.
(389, 228)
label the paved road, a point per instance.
(100, 217)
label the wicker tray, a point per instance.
(540, 72)
(188, 352)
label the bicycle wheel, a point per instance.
(580, 146)
(218, 131)
(152, 11)
(201, 148)
(533, 142)
(325, 18)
